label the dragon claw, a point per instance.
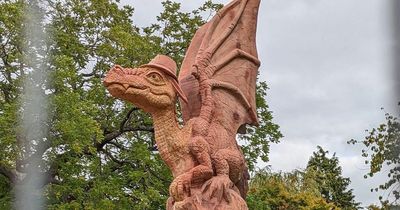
(180, 187)
(218, 187)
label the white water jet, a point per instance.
(34, 108)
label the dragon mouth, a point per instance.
(126, 86)
(119, 90)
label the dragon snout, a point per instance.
(118, 69)
(113, 75)
(117, 74)
(125, 77)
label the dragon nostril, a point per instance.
(118, 69)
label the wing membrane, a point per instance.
(224, 50)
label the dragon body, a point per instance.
(216, 87)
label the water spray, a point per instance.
(34, 108)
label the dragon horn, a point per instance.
(179, 90)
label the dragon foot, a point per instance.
(218, 193)
(220, 187)
(180, 187)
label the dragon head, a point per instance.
(151, 87)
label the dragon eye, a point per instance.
(155, 77)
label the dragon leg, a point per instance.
(229, 166)
(200, 150)
(180, 187)
(229, 162)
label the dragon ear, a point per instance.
(179, 90)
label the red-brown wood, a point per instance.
(217, 90)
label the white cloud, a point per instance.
(327, 64)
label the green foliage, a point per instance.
(382, 147)
(98, 152)
(295, 190)
(385, 206)
(331, 184)
(11, 34)
(5, 193)
(373, 207)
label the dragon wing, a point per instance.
(222, 57)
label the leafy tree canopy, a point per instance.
(290, 191)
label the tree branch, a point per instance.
(90, 74)
(122, 162)
(8, 173)
(127, 118)
(123, 128)
(119, 146)
(111, 136)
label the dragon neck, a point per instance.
(165, 122)
(167, 133)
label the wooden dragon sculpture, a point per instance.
(216, 87)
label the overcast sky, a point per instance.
(327, 64)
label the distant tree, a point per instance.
(373, 207)
(98, 152)
(289, 191)
(382, 147)
(331, 184)
(385, 206)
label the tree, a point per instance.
(385, 206)
(331, 184)
(382, 147)
(98, 153)
(294, 190)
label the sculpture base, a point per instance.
(218, 193)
